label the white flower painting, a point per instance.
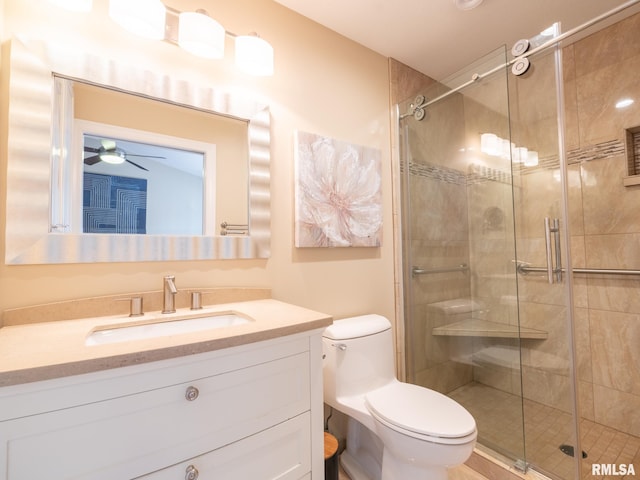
(338, 193)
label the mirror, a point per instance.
(61, 106)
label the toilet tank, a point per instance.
(358, 356)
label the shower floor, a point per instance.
(499, 418)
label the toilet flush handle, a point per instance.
(339, 346)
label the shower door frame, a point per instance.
(404, 307)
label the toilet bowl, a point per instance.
(396, 431)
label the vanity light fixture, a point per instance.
(201, 35)
(74, 5)
(145, 18)
(531, 159)
(254, 55)
(494, 146)
(196, 32)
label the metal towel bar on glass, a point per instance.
(463, 267)
(524, 269)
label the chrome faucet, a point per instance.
(170, 290)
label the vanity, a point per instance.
(83, 393)
(234, 402)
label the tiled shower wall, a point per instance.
(604, 225)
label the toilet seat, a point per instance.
(421, 413)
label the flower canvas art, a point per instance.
(338, 193)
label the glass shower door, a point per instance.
(462, 329)
(545, 289)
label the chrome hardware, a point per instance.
(196, 301)
(135, 306)
(192, 393)
(339, 346)
(191, 473)
(169, 290)
(463, 267)
(520, 66)
(520, 47)
(547, 243)
(524, 268)
(554, 274)
(234, 229)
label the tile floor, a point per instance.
(499, 418)
(460, 473)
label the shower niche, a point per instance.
(632, 143)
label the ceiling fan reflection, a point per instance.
(109, 152)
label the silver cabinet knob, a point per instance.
(191, 473)
(191, 394)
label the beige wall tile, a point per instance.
(614, 347)
(617, 409)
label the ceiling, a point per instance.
(434, 36)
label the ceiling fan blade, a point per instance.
(136, 165)
(91, 149)
(143, 156)
(108, 144)
(92, 160)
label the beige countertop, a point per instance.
(45, 350)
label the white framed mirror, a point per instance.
(43, 163)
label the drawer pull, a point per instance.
(191, 473)
(191, 394)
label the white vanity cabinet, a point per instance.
(247, 412)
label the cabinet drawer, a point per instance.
(282, 452)
(132, 435)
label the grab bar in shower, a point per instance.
(463, 267)
(525, 269)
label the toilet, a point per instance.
(395, 431)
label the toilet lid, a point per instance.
(420, 410)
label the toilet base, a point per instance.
(353, 468)
(392, 469)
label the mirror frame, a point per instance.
(33, 133)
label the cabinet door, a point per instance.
(133, 435)
(282, 452)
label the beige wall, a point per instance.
(323, 83)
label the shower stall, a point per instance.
(520, 186)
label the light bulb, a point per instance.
(254, 55)
(145, 18)
(201, 35)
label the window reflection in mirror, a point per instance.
(136, 123)
(131, 187)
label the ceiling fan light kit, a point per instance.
(195, 32)
(115, 157)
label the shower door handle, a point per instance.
(554, 274)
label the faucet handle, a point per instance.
(135, 306)
(196, 301)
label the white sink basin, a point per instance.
(163, 328)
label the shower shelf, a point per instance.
(484, 328)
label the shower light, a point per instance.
(625, 102)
